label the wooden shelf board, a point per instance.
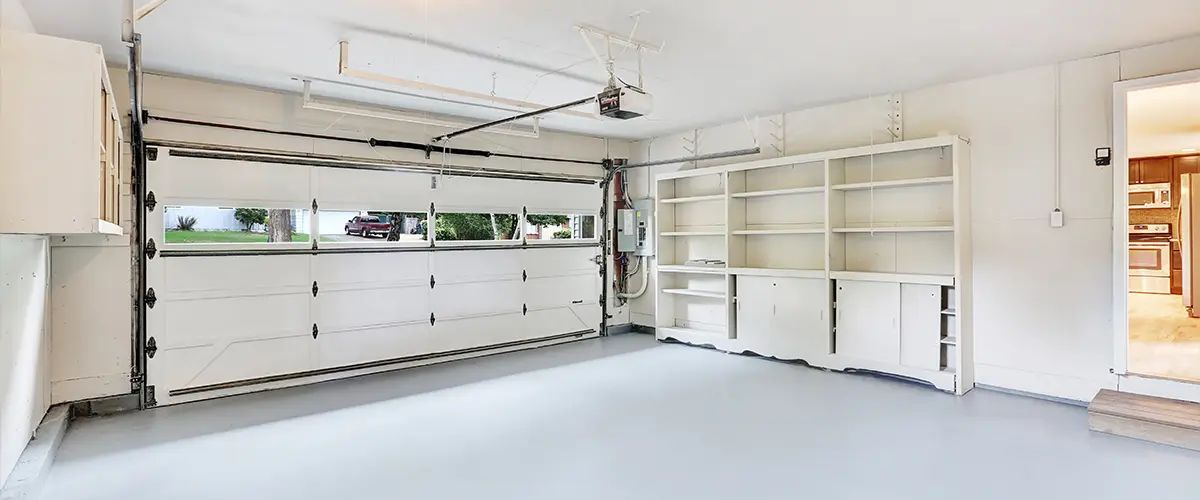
(694, 199)
(106, 227)
(768, 232)
(691, 270)
(778, 273)
(694, 293)
(926, 181)
(780, 192)
(895, 229)
(923, 279)
(693, 233)
(950, 340)
(950, 312)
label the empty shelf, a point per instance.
(694, 199)
(922, 279)
(693, 233)
(780, 192)
(691, 269)
(927, 181)
(778, 273)
(950, 340)
(895, 229)
(695, 293)
(765, 232)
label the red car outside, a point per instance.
(368, 225)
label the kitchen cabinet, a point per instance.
(1182, 165)
(1135, 171)
(60, 138)
(1155, 170)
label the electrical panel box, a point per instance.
(635, 232)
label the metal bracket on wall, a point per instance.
(151, 347)
(151, 249)
(779, 135)
(150, 201)
(151, 299)
(896, 117)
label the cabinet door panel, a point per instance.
(1156, 170)
(782, 317)
(1135, 171)
(920, 326)
(868, 320)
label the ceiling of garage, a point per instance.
(722, 60)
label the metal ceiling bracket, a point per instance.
(896, 117)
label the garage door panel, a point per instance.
(343, 189)
(235, 317)
(547, 322)
(481, 331)
(262, 274)
(371, 307)
(541, 293)
(350, 347)
(363, 270)
(476, 299)
(469, 266)
(195, 179)
(544, 262)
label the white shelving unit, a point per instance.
(849, 259)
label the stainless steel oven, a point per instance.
(1150, 196)
(1150, 258)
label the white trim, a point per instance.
(1047, 384)
(1157, 387)
(1120, 166)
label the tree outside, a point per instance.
(279, 225)
(250, 216)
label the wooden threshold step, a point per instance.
(1159, 420)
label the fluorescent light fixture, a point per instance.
(309, 103)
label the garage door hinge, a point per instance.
(524, 309)
(151, 347)
(150, 399)
(431, 319)
(150, 201)
(151, 299)
(152, 154)
(315, 289)
(524, 275)
(314, 204)
(151, 249)
(315, 330)
(432, 281)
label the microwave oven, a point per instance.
(1150, 195)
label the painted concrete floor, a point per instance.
(619, 418)
(1163, 340)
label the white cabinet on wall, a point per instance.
(60, 138)
(855, 259)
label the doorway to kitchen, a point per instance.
(1157, 232)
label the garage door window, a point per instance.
(208, 224)
(475, 226)
(370, 226)
(551, 227)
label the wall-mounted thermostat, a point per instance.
(1103, 157)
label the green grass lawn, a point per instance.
(224, 237)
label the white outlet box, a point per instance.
(1056, 218)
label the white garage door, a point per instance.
(233, 312)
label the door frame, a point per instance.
(1128, 382)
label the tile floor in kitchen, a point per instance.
(1163, 340)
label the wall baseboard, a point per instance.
(1043, 385)
(29, 476)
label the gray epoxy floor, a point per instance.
(619, 418)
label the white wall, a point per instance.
(24, 351)
(1043, 296)
(92, 276)
(13, 16)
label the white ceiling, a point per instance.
(723, 59)
(1164, 120)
